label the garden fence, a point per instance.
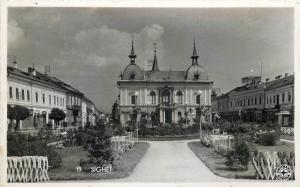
(27, 169)
(287, 130)
(217, 140)
(121, 144)
(266, 164)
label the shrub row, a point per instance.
(25, 145)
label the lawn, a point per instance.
(216, 162)
(280, 147)
(71, 156)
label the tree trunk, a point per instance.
(17, 125)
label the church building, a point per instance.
(165, 96)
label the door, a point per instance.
(168, 116)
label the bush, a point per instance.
(25, 145)
(268, 138)
(97, 141)
(81, 137)
(240, 155)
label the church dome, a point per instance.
(133, 72)
(196, 72)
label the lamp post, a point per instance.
(200, 131)
(137, 113)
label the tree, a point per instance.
(57, 115)
(17, 113)
(99, 147)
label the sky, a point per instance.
(89, 47)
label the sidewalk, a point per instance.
(288, 141)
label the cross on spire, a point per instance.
(155, 64)
(194, 57)
(132, 55)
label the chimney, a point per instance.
(32, 71)
(46, 70)
(286, 74)
(15, 64)
(267, 79)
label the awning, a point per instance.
(285, 112)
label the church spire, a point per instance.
(194, 57)
(132, 56)
(155, 64)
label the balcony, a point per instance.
(74, 107)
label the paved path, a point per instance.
(171, 161)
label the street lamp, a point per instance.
(136, 94)
(199, 94)
(148, 103)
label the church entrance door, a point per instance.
(168, 116)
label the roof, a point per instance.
(26, 75)
(164, 75)
(59, 82)
(277, 83)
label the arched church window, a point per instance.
(132, 76)
(166, 97)
(196, 76)
(153, 97)
(179, 97)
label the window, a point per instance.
(166, 97)
(274, 98)
(133, 99)
(49, 99)
(198, 99)
(23, 95)
(43, 98)
(17, 93)
(270, 99)
(196, 76)
(10, 92)
(153, 97)
(179, 97)
(283, 99)
(36, 97)
(259, 99)
(63, 100)
(255, 100)
(289, 96)
(267, 100)
(60, 101)
(28, 95)
(54, 99)
(57, 101)
(244, 102)
(248, 102)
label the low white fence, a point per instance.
(267, 165)
(121, 144)
(27, 169)
(221, 142)
(287, 130)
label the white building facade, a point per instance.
(166, 96)
(37, 95)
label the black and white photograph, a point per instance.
(150, 94)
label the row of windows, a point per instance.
(165, 98)
(275, 98)
(57, 101)
(248, 102)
